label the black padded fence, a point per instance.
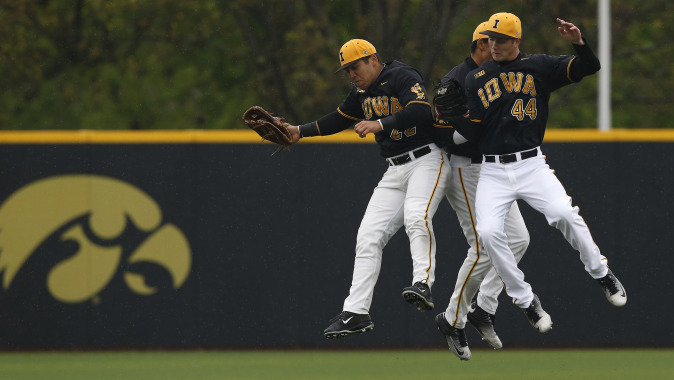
(215, 245)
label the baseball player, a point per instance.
(508, 100)
(390, 101)
(465, 161)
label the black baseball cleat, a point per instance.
(348, 323)
(539, 319)
(614, 290)
(456, 338)
(484, 324)
(419, 295)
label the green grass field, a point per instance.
(545, 364)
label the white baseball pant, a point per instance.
(476, 270)
(533, 181)
(408, 195)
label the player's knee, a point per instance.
(560, 212)
(519, 244)
(368, 245)
(369, 239)
(518, 239)
(417, 224)
(488, 229)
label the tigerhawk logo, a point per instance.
(90, 229)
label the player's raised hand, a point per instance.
(570, 32)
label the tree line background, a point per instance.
(199, 64)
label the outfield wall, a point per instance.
(193, 239)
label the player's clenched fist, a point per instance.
(368, 126)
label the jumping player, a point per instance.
(389, 100)
(465, 161)
(508, 100)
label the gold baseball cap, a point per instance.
(504, 25)
(477, 34)
(354, 50)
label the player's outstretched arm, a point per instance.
(329, 124)
(570, 32)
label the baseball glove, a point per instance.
(449, 101)
(270, 128)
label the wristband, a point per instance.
(388, 122)
(309, 129)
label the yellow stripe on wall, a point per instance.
(234, 136)
(247, 136)
(615, 135)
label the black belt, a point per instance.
(409, 156)
(476, 160)
(512, 157)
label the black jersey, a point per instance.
(458, 73)
(400, 91)
(510, 100)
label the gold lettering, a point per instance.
(485, 103)
(493, 91)
(510, 83)
(529, 87)
(395, 106)
(367, 108)
(380, 105)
